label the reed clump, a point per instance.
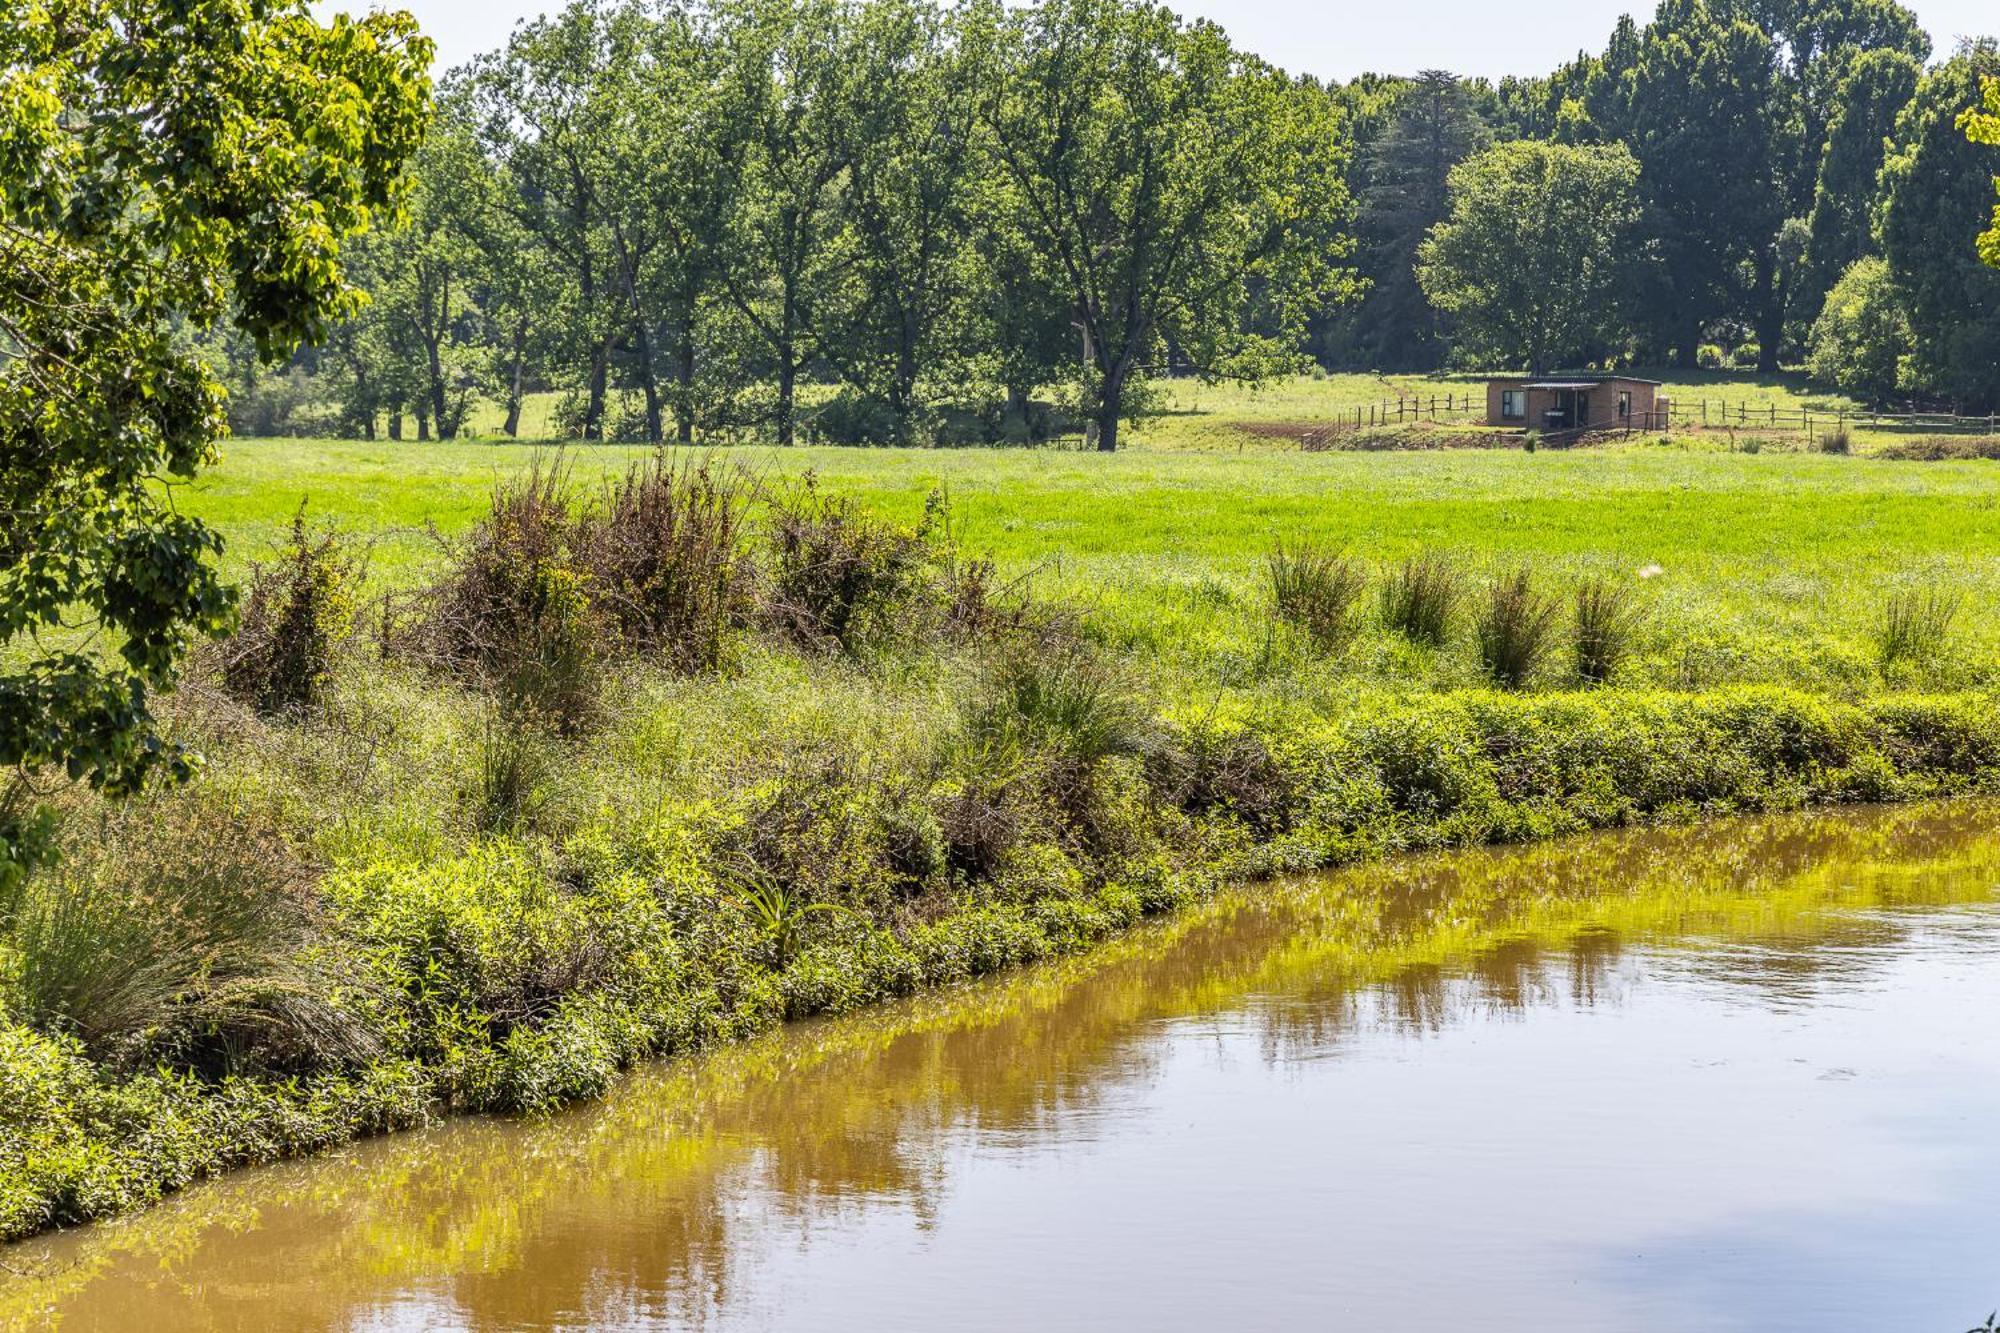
(1318, 589)
(1419, 597)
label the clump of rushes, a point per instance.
(1419, 596)
(667, 561)
(300, 604)
(1606, 619)
(1837, 441)
(1916, 622)
(1317, 589)
(1516, 627)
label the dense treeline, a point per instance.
(886, 220)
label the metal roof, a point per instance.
(1575, 381)
(1563, 384)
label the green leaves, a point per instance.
(1983, 127)
(162, 165)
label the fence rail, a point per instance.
(1702, 414)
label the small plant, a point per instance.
(176, 933)
(1840, 440)
(300, 605)
(516, 760)
(1317, 589)
(1516, 627)
(1606, 619)
(781, 915)
(1419, 597)
(1916, 622)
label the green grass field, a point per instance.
(1770, 566)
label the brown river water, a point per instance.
(1742, 1076)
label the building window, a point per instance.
(1625, 406)
(1513, 405)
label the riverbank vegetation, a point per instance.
(644, 761)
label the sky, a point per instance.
(1334, 39)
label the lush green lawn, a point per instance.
(1770, 566)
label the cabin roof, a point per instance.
(1572, 381)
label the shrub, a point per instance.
(1516, 627)
(1746, 355)
(1317, 589)
(666, 562)
(281, 656)
(1862, 342)
(515, 612)
(1419, 596)
(1710, 356)
(1916, 622)
(1606, 618)
(838, 575)
(1840, 440)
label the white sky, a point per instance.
(1335, 39)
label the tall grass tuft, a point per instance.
(1517, 625)
(1916, 622)
(300, 604)
(1607, 617)
(667, 560)
(1419, 597)
(179, 934)
(1317, 589)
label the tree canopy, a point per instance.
(162, 166)
(1532, 258)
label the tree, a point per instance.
(914, 159)
(1531, 259)
(1877, 88)
(162, 166)
(1861, 343)
(792, 252)
(1937, 200)
(1984, 128)
(1704, 114)
(1164, 175)
(1408, 192)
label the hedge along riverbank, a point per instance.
(499, 978)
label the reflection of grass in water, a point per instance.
(834, 1111)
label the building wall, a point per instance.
(1603, 402)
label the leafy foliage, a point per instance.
(161, 166)
(1533, 257)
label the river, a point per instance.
(1737, 1076)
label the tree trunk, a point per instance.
(395, 423)
(787, 377)
(423, 426)
(515, 374)
(600, 374)
(684, 378)
(1770, 316)
(643, 346)
(446, 427)
(1690, 348)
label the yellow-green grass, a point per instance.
(1772, 566)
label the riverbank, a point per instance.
(623, 779)
(862, 1133)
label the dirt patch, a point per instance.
(1318, 437)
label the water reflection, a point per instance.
(1459, 1085)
